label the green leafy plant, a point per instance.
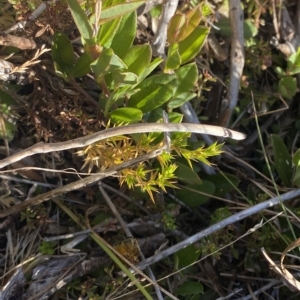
(121, 68)
(185, 38)
(287, 85)
(117, 150)
(131, 91)
(47, 248)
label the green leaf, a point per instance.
(177, 101)
(126, 115)
(186, 174)
(107, 63)
(138, 58)
(296, 179)
(125, 34)
(62, 50)
(293, 66)
(206, 9)
(187, 256)
(193, 20)
(296, 158)
(82, 66)
(287, 87)
(250, 29)
(280, 71)
(176, 25)
(282, 160)
(124, 78)
(191, 46)
(296, 161)
(187, 78)
(5, 100)
(107, 32)
(223, 186)
(81, 20)
(154, 92)
(156, 115)
(173, 60)
(118, 94)
(155, 63)
(192, 194)
(175, 117)
(118, 10)
(189, 288)
(62, 53)
(9, 132)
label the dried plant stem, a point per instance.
(168, 10)
(218, 226)
(122, 130)
(237, 60)
(77, 184)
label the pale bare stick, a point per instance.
(168, 10)
(218, 226)
(115, 131)
(78, 184)
(237, 60)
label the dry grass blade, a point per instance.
(33, 61)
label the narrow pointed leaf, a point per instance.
(191, 46)
(173, 60)
(138, 58)
(282, 160)
(296, 161)
(126, 115)
(82, 66)
(193, 20)
(154, 92)
(118, 10)
(187, 78)
(107, 63)
(81, 19)
(107, 32)
(125, 34)
(176, 26)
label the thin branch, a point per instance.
(220, 225)
(237, 59)
(77, 184)
(168, 10)
(122, 130)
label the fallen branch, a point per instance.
(218, 226)
(122, 130)
(77, 184)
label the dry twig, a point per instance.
(237, 60)
(168, 10)
(220, 225)
(122, 130)
(77, 184)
